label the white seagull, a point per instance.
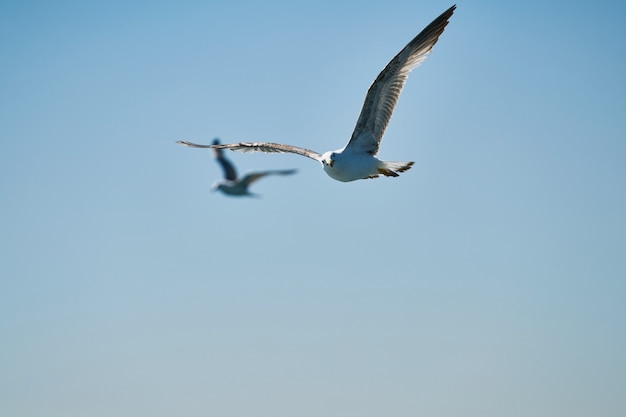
(357, 160)
(231, 184)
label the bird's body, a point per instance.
(233, 185)
(357, 160)
(231, 188)
(347, 165)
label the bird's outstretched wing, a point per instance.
(230, 173)
(253, 176)
(383, 94)
(267, 147)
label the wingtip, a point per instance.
(448, 13)
(194, 145)
(445, 16)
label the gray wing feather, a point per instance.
(267, 147)
(254, 176)
(383, 94)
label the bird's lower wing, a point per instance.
(266, 147)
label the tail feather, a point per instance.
(391, 169)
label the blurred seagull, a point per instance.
(357, 160)
(231, 185)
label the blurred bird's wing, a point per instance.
(230, 173)
(254, 176)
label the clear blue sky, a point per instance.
(487, 281)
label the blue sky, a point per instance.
(488, 280)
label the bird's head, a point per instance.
(328, 159)
(216, 186)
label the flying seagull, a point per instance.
(231, 184)
(357, 160)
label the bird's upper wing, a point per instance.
(383, 94)
(267, 147)
(253, 176)
(230, 173)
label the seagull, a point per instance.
(357, 160)
(231, 184)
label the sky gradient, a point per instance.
(488, 280)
